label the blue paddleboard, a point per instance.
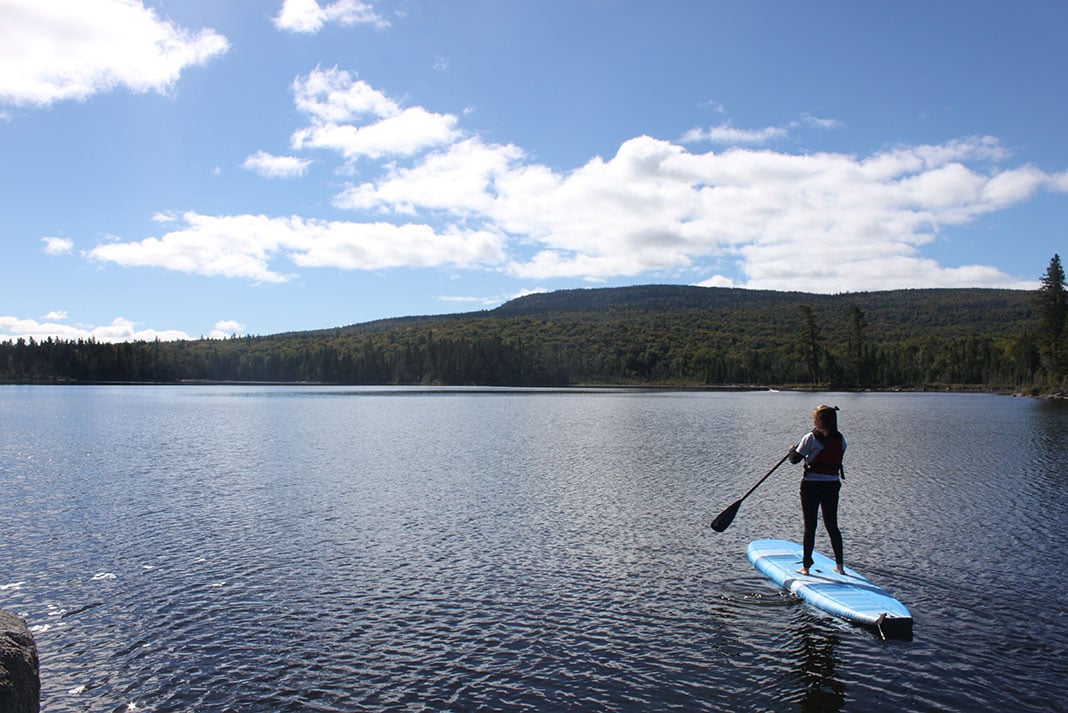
(848, 595)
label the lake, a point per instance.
(282, 548)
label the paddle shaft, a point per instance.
(766, 476)
(725, 518)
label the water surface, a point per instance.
(226, 548)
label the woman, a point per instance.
(822, 450)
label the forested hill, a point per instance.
(964, 312)
(667, 298)
(733, 316)
(922, 312)
(655, 334)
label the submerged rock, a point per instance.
(20, 678)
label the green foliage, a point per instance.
(1052, 304)
(655, 334)
(811, 344)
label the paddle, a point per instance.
(725, 518)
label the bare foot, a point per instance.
(803, 570)
(840, 569)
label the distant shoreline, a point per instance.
(926, 388)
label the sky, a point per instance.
(178, 169)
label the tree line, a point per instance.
(646, 335)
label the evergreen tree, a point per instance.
(1053, 317)
(857, 350)
(811, 342)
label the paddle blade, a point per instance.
(725, 518)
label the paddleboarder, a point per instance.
(821, 449)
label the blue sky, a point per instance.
(186, 168)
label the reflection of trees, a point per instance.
(1047, 441)
(821, 691)
(1046, 476)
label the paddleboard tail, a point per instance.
(894, 627)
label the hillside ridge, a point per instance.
(645, 335)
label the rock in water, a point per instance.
(20, 677)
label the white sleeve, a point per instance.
(809, 446)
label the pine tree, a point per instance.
(811, 342)
(857, 358)
(1053, 317)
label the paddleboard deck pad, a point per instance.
(849, 596)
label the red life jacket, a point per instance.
(829, 460)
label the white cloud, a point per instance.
(337, 96)
(270, 166)
(308, 16)
(59, 314)
(244, 246)
(727, 134)
(495, 299)
(333, 99)
(815, 222)
(123, 330)
(411, 131)
(375, 246)
(120, 330)
(458, 179)
(224, 329)
(57, 246)
(821, 123)
(717, 281)
(71, 49)
(716, 106)
(234, 246)
(469, 300)
(230, 325)
(749, 217)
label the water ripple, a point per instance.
(203, 549)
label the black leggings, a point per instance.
(817, 495)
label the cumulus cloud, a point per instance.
(443, 198)
(458, 179)
(308, 16)
(355, 120)
(58, 246)
(337, 96)
(229, 246)
(816, 222)
(226, 328)
(270, 166)
(71, 49)
(408, 133)
(717, 281)
(120, 330)
(376, 246)
(244, 246)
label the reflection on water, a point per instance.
(280, 548)
(816, 674)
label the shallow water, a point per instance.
(227, 548)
